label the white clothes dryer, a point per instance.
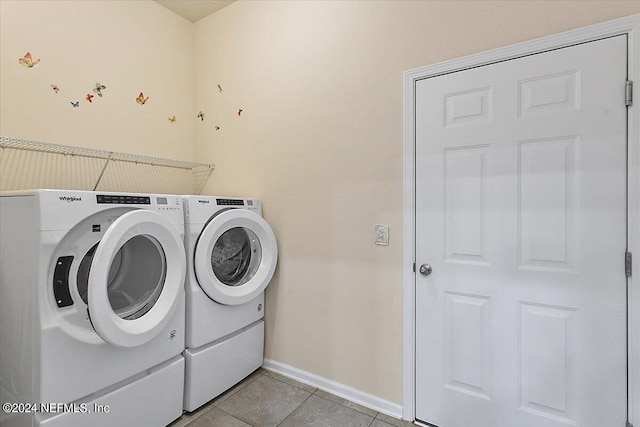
(92, 308)
(231, 257)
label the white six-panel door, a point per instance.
(520, 212)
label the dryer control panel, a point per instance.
(249, 204)
(199, 209)
(232, 202)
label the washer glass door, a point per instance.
(133, 278)
(136, 276)
(235, 256)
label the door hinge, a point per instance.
(627, 263)
(414, 267)
(628, 93)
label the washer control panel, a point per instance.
(162, 203)
(123, 200)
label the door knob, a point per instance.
(425, 269)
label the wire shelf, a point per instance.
(26, 164)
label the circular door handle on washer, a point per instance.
(425, 269)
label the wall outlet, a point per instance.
(382, 235)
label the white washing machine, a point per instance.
(231, 257)
(92, 310)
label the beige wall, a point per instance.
(320, 142)
(129, 46)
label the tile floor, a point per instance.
(268, 399)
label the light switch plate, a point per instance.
(382, 235)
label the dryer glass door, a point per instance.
(235, 256)
(134, 278)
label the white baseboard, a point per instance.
(356, 396)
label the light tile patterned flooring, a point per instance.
(268, 399)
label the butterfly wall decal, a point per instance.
(239, 112)
(98, 88)
(75, 104)
(141, 99)
(89, 97)
(201, 116)
(27, 60)
(55, 88)
(172, 119)
(219, 88)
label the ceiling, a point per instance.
(194, 10)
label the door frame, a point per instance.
(630, 26)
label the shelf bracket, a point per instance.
(104, 168)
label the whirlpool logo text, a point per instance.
(70, 199)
